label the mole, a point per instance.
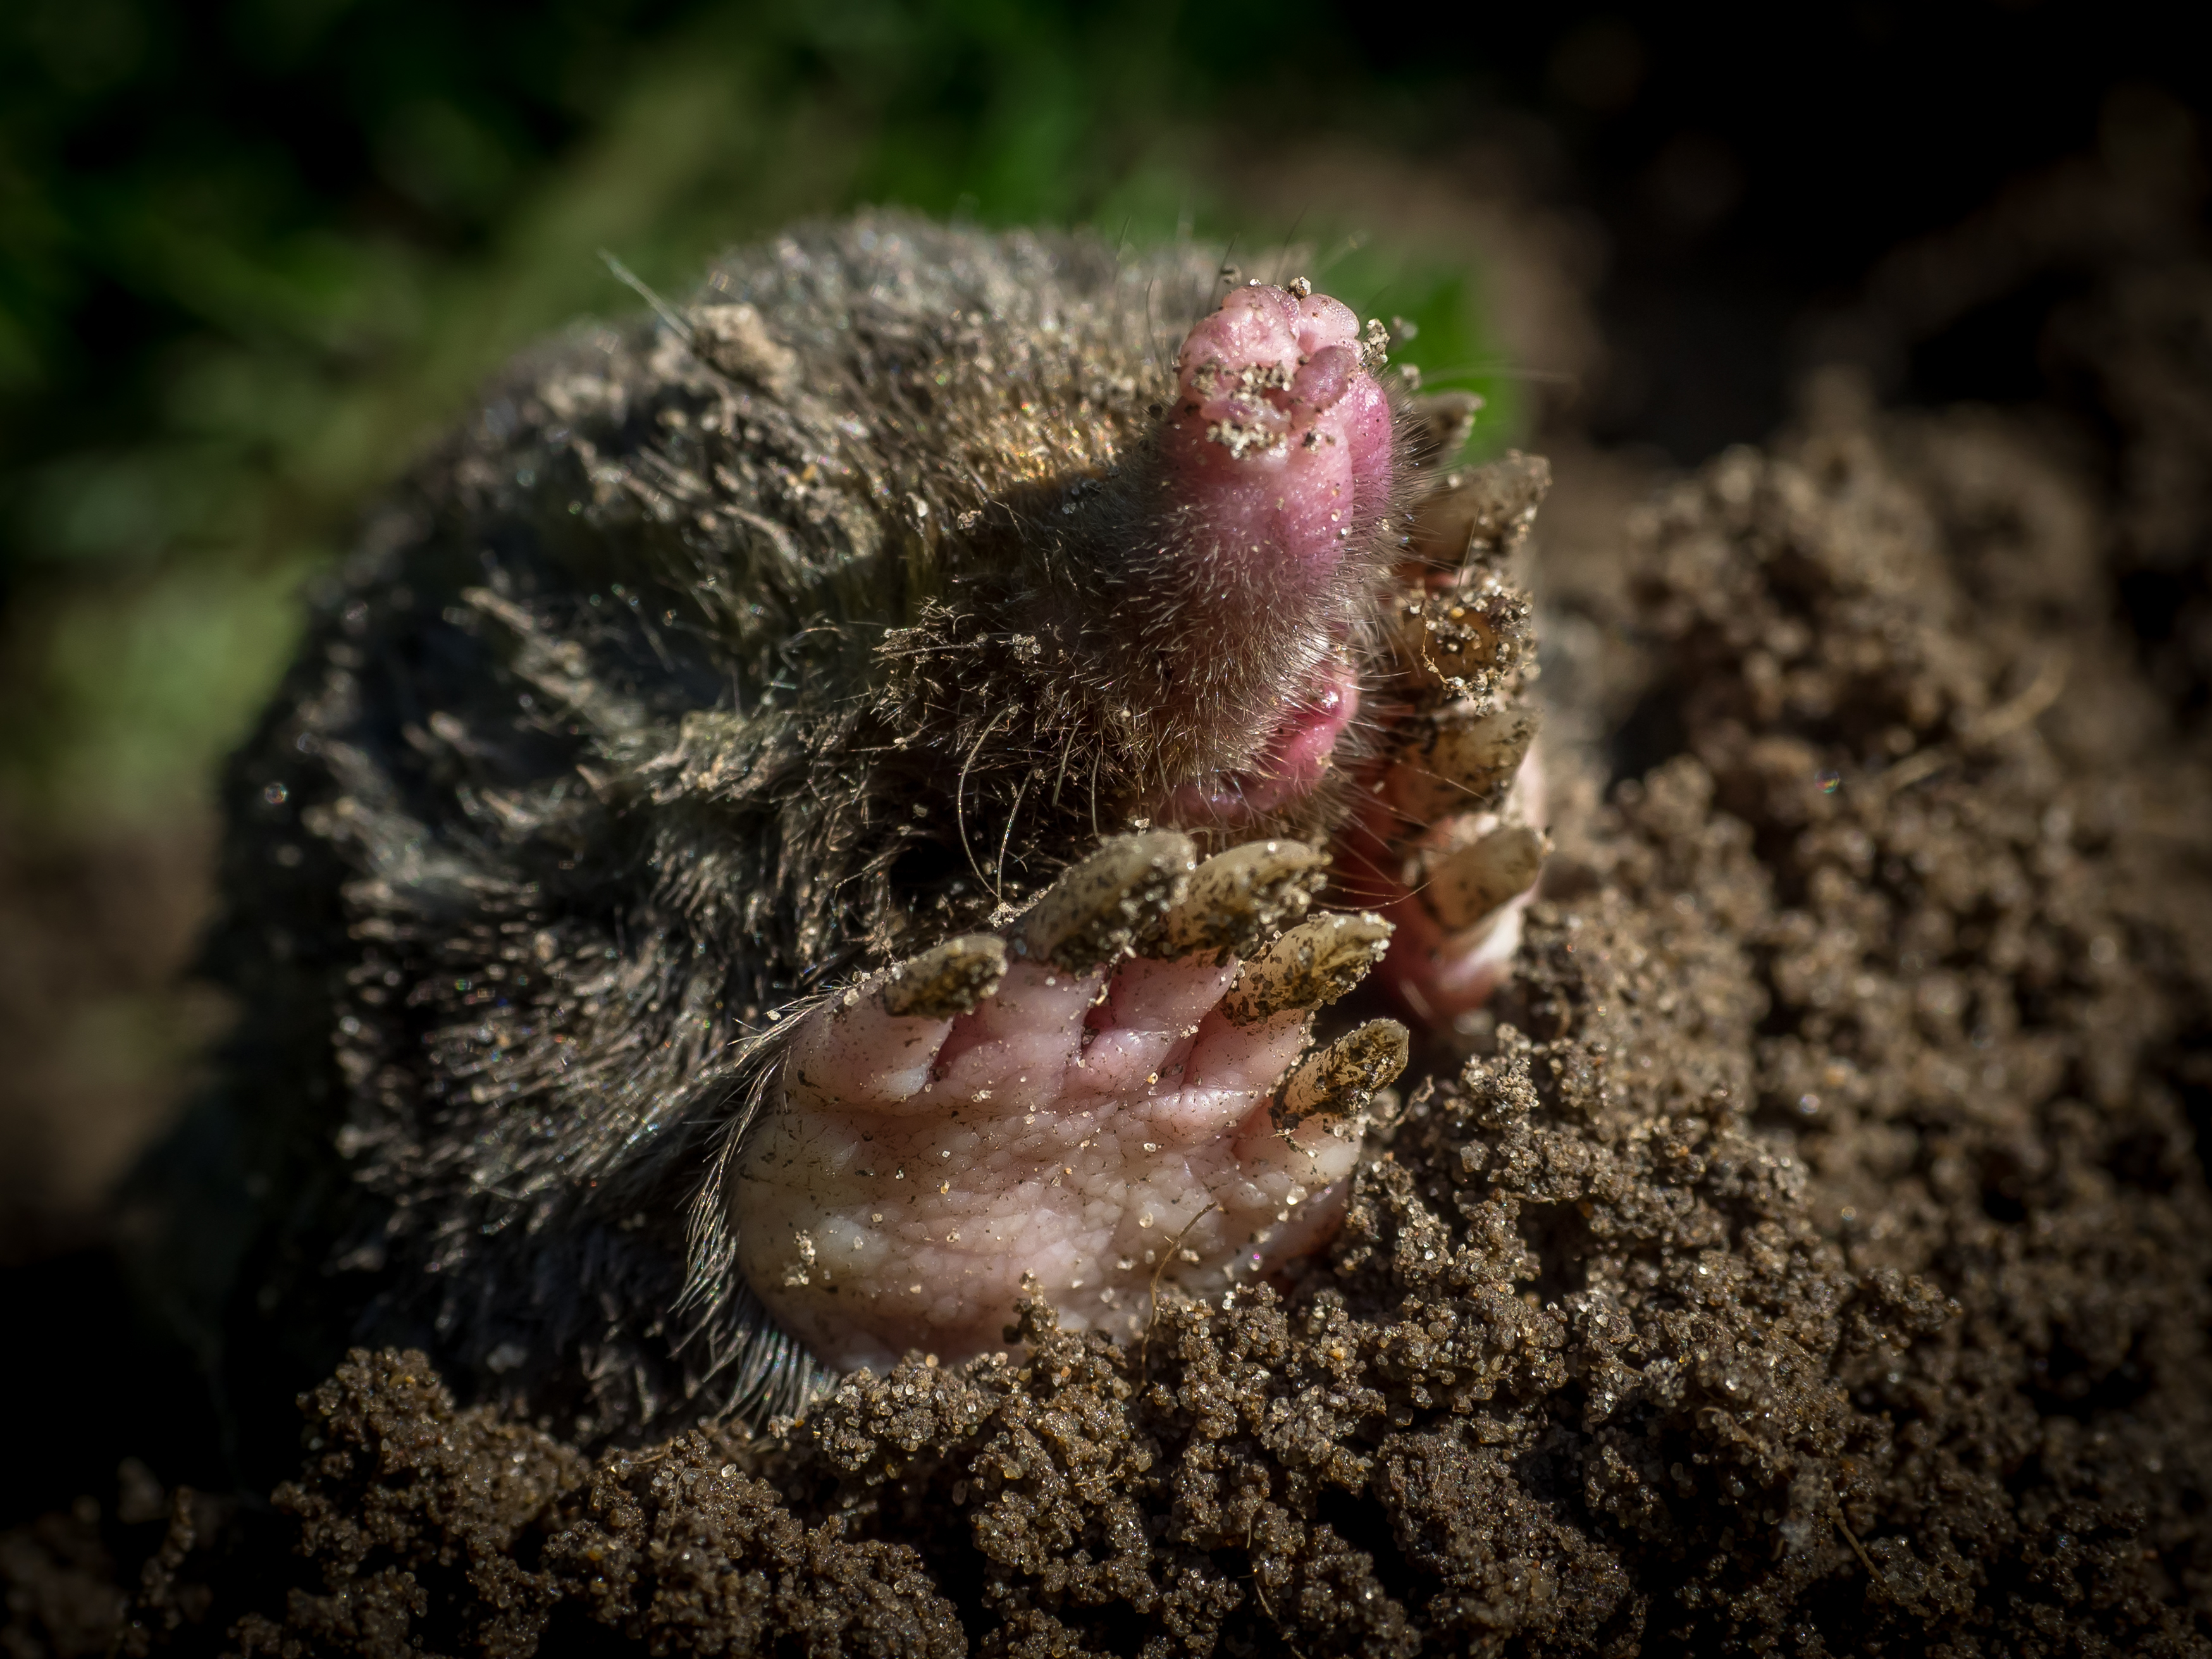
(854, 792)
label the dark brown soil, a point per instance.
(1812, 1257)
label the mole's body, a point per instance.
(810, 809)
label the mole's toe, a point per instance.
(1099, 910)
(1313, 964)
(1241, 897)
(1333, 1086)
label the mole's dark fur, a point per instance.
(715, 657)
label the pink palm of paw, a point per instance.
(1095, 1128)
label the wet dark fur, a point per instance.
(663, 696)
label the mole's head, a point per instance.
(1184, 634)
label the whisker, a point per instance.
(1065, 748)
(1350, 852)
(667, 313)
(1289, 243)
(1500, 370)
(960, 794)
(1013, 811)
(1343, 250)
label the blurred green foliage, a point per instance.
(252, 255)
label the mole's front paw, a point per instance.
(1452, 841)
(1110, 1095)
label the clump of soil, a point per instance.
(1812, 1256)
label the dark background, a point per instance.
(252, 255)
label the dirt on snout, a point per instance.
(1811, 1257)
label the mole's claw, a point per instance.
(1097, 911)
(871, 1045)
(950, 979)
(1454, 645)
(1443, 422)
(1463, 885)
(1337, 1082)
(1462, 763)
(1240, 897)
(1481, 512)
(1316, 963)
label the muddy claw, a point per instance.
(1464, 762)
(1481, 512)
(948, 980)
(1316, 963)
(1098, 911)
(1241, 897)
(1463, 884)
(1337, 1082)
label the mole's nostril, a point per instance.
(1326, 377)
